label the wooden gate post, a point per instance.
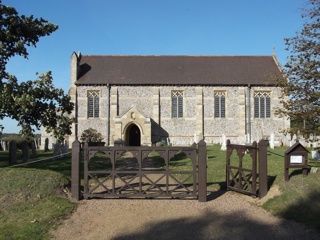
(75, 170)
(263, 169)
(202, 171)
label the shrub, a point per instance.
(91, 135)
(18, 140)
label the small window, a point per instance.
(262, 104)
(219, 104)
(177, 104)
(93, 104)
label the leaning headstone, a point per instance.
(25, 151)
(12, 152)
(36, 143)
(46, 145)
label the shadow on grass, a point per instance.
(296, 172)
(271, 180)
(307, 210)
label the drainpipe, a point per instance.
(108, 116)
(249, 114)
(76, 115)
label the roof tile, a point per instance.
(178, 70)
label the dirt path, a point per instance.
(227, 215)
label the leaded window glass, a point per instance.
(93, 104)
(220, 104)
(262, 104)
(177, 104)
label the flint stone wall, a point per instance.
(198, 113)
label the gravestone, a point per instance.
(224, 143)
(33, 149)
(36, 143)
(59, 149)
(46, 145)
(4, 146)
(316, 153)
(313, 170)
(25, 151)
(56, 149)
(12, 152)
(64, 148)
(271, 143)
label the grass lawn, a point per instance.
(31, 197)
(31, 203)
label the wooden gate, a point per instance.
(141, 172)
(246, 168)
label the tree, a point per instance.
(36, 102)
(302, 85)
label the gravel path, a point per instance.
(227, 215)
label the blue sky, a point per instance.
(153, 27)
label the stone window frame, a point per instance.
(93, 106)
(262, 104)
(177, 103)
(220, 104)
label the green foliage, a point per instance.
(18, 33)
(18, 140)
(31, 103)
(302, 90)
(91, 135)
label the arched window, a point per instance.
(262, 104)
(219, 104)
(177, 104)
(93, 104)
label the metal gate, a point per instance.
(141, 172)
(246, 168)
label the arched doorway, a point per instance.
(133, 135)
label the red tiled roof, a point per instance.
(178, 70)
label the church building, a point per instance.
(176, 100)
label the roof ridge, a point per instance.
(227, 56)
